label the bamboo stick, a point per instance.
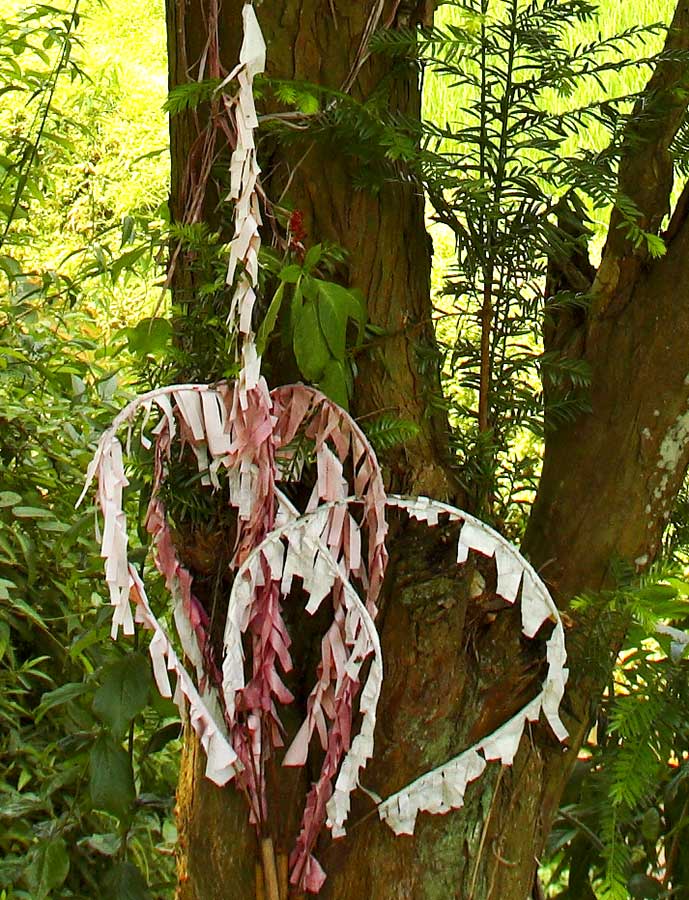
(270, 875)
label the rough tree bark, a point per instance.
(456, 668)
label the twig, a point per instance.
(484, 835)
(361, 54)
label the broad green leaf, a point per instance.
(334, 383)
(123, 692)
(52, 526)
(32, 512)
(9, 498)
(125, 882)
(658, 591)
(290, 322)
(313, 256)
(290, 274)
(61, 695)
(309, 286)
(23, 607)
(149, 337)
(358, 310)
(112, 780)
(350, 301)
(162, 737)
(78, 386)
(105, 844)
(641, 885)
(268, 324)
(333, 320)
(48, 868)
(19, 806)
(310, 348)
(107, 386)
(651, 824)
(8, 265)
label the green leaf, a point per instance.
(9, 498)
(656, 245)
(64, 694)
(350, 302)
(8, 265)
(52, 526)
(48, 868)
(105, 844)
(358, 311)
(310, 348)
(31, 512)
(123, 692)
(655, 594)
(106, 387)
(126, 261)
(641, 885)
(19, 806)
(333, 320)
(651, 824)
(128, 231)
(334, 383)
(290, 322)
(189, 95)
(309, 286)
(125, 882)
(389, 431)
(23, 607)
(308, 104)
(112, 780)
(268, 324)
(162, 737)
(290, 274)
(149, 337)
(4, 638)
(313, 256)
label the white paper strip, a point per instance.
(221, 760)
(443, 788)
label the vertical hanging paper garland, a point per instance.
(246, 432)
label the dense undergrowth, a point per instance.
(86, 774)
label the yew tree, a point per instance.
(457, 665)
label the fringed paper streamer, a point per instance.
(443, 788)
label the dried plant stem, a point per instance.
(283, 875)
(270, 873)
(260, 890)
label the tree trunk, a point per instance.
(456, 668)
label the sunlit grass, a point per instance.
(108, 156)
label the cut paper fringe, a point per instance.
(246, 435)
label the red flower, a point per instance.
(297, 235)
